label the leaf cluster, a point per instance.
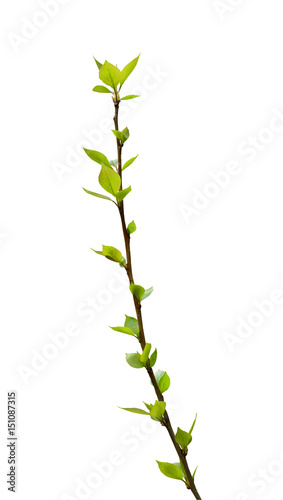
(114, 78)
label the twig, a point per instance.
(166, 420)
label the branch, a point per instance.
(137, 304)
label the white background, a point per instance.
(210, 80)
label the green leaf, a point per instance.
(195, 472)
(97, 157)
(98, 195)
(158, 409)
(110, 74)
(147, 293)
(127, 70)
(131, 227)
(170, 470)
(193, 424)
(145, 353)
(122, 264)
(163, 380)
(122, 194)
(122, 135)
(134, 360)
(181, 468)
(132, 323)
(149, 406)
(126, 133)
(110, 253)
(153, 358)
(101, 89)
(183, 438)
(127, 97)
(119, 135)
(114, 163)
(123, 329)
(135, 410)
(98, 64)
(109, 180)
(137, 290)
(129, 162)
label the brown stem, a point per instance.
(137, 304)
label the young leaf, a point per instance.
(194, 422)
(131, 227)
(110, 253)
(147, 293)
(132, 323)
(123, 329)
(149, 406)
(122, 135)
(179, 464)
(114, 163)
(127, 97)
(134, 360)
(195, 472)
(119, 135)
(98, 195)
(158, 409)
(183, 438)
(110, 74)
(101, 89)
(122, 194)
(127, 70)
(135, 410)
(97, 157)
(145, 354)
(122, 264)
(153, 358)
(98, 64)
(129, 162)
(163, 380)
(137, 290)
(170, 470)
(126, 133)
(109, 180)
